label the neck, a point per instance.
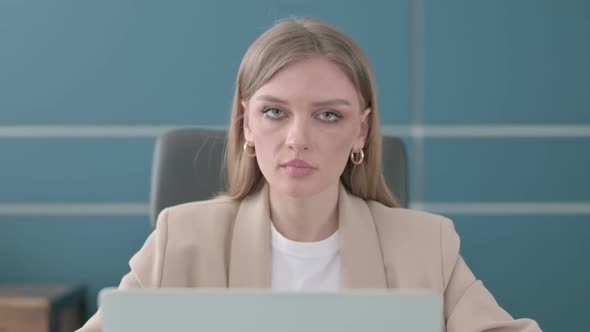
(306, 219)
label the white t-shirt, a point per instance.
(305, 265)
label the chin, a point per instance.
(297, 189)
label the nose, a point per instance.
(298, 135)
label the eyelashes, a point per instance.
(275, 114)
(334, 116)
(271, 113)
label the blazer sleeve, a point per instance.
(146, 268)
(468, 305)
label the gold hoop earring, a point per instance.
(357, 161)
(250, 150)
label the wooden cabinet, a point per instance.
(41, 308)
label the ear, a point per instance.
(246, 123)
(365, 125)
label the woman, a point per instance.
(306, 206)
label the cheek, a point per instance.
(265, 138)
(337, 143)
(260, 127)
(343, 149)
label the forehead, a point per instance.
(310, 80)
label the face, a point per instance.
(304, 123)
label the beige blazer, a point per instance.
(227, 243)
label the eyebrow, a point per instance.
(331, 102)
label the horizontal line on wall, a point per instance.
(458, 131)
(489, 131)
(83, 131)
(143, 209)
(71, 209)
(504, 208)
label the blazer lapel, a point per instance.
(360, 251)
(250, 260)
(362, 263)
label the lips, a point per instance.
(297, 163)
(297, 168)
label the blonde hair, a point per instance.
(290, 41)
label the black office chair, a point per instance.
(187, 166)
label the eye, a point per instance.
(330, 116)
(273, 113)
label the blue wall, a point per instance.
(65, 65)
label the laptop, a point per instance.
(232, 310)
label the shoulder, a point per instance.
(414, 227)
(219, 206)
(409, 219)
(210, 214)
(183, 233)
(408, 236)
